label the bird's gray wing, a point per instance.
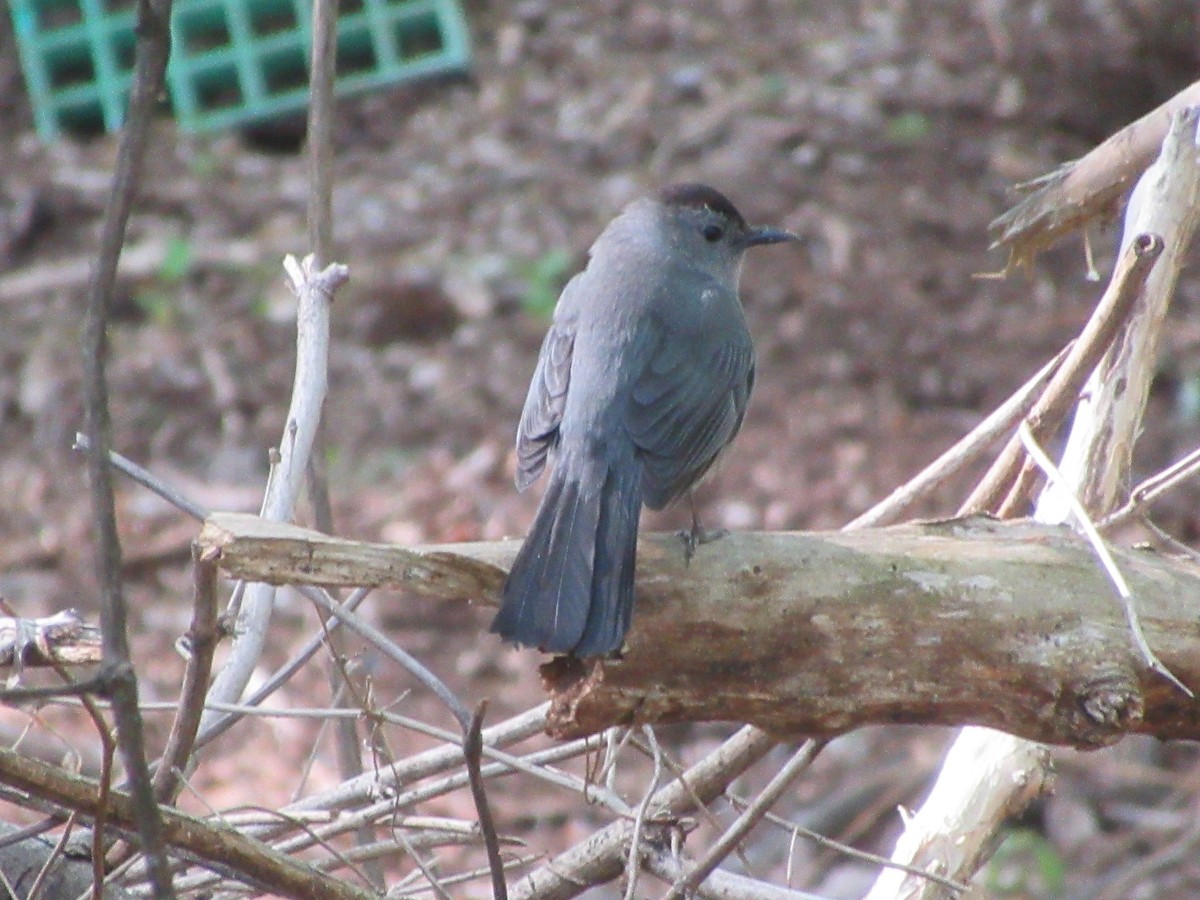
(547, 397)
(687, 405)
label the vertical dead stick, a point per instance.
(203, 636)
(314, 291)
(1062, 393)
(151, 51)
(473, 751)
(1166, 201)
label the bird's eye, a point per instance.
(712, 233)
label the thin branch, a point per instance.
(430, 877)
(722, 885)
(203, 635)
(320, 130)
(1152, 488)
(464, 877)
(634, 866)
(314, 290)
(964, 452)
(565, 780)
(439, 688)
(216, 846)
(377, 810)
(151, 50)
(393, 651)
(147, 480)
(366, 787)
(473, 751)
(220, 724)
(1133, 267)
(1084, 524)
(601, 857)
(750, 817)
(319, 144)
(821, 840)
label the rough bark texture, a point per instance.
(968, 621)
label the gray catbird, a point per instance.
(641, 382)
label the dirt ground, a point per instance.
(887, 132)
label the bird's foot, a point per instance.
(695, 537)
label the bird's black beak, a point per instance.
(757, 236)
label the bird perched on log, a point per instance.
(642, 381)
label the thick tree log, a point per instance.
(970, 621)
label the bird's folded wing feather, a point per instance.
(686, 405)
(546, 400)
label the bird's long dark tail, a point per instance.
(570, 589)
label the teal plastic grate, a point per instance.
(232, 61)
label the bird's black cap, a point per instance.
(700, 196)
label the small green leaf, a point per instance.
(176, 261)
(1025, 865)
(544, 279)
(908, 128)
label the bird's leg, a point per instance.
(697, 536)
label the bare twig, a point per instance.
(797, 831)
(721, 885)
(218, 847)
(150, 63)
(748, 819)
(431, 878)
(439, 688)
(366, 787)
(280, 677)
(1130, 275)
(147, 480)
(319, 144)
(463, 877)
(314, 290)
(393, 651)
(1152, 488)
(1165, 202)
(964, 452)
(601, 857)
(376, 810)
(320, 130)
(473, 751)
(1084, 524)
(639, 823)
(202, 644)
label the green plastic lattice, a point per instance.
(232, 61)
